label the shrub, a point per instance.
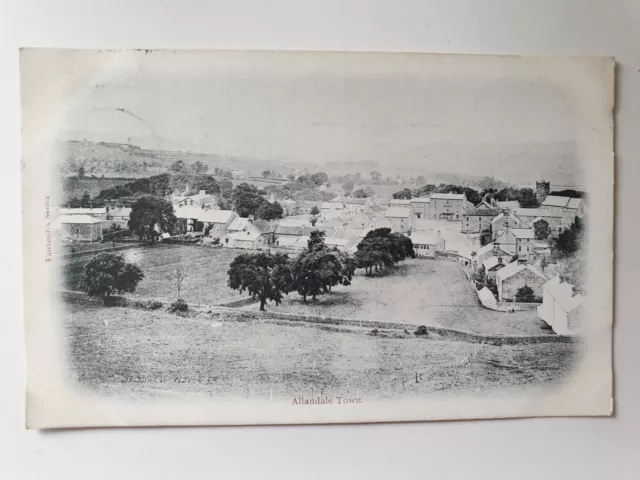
(178, 306)
(421, 331)
(147, 304)
(375, 331)
(525, 294)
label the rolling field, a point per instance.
(121, 351)
(420, 292)
(206, 270)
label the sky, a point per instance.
(474, 115)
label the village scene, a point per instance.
(194, 275)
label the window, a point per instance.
(77, 231)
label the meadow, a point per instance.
(138, 353)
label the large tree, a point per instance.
(381, 248)
(199, 167)
(319, 178)
(404, 194)
(263, 275)
(246, 200)
(269, 211)
(151, 216)
(320, 267)
(107, 274)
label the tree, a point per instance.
(177, 277)
(316, 270)
(541, 230)
(527, 198)
(319, 178)
(485, 237)
(178, 167)
(569, 241)
(85, 201)
(360, 193)
(81, 172)
(266, 173)
(246, 200)
(404, 194)
(263, 275)
(151, 216)
(291, 177)
(381, 248)
(375, 176)
(199, 167)
(315, 210)
(347, 187)
(525, 294)
(207, 183)
(269, 211)
(107, 274)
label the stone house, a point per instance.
(427, 244)
(504, 221)
(247, 233)
(489, 250)
(476, 220)
(493, 265)
(514, 276)
(448, 206)
(216, 221)
(399, 218)
(80, 228)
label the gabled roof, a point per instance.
(483, 205)
(482, 212)
(508, 204)
(249, 236)
(82, 211)
(563, 293)
(78, 219)
(349, 200)
(523, 232)
(514, 269)
(536, 212)
(263, 226)
(556, 201)
(296, 230)
(449, 196)
(491, 262)
(420, 200)
(574, 203)
(399, 201)
(189, 212)
(216, 216)
(425, 238)
(397, 212)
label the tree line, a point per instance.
(316, 270)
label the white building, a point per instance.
(399, 218)
(427, 244)
(561, 307)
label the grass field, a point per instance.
(206, 269)
(137, 353)
(420, 292)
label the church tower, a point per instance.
(542, 190)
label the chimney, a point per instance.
(499, 260)
(250, 218)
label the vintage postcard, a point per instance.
(218, 237)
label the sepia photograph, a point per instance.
(217, 237)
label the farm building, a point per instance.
(248, 233)
(399, 218)
(80, 228)
(571, 207)
(216, 221)
(556, 221)
(514, 276)
(518, 241)
(427, 244)
(561, 307)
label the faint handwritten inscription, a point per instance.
(326, 401)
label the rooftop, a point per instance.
(215, 216)
(566, 202)
(397, 212)
(449, 196)
(523, 232)
(78, 219)
(513, 269)
(484, 212)
(536, 212)
(425, 238)
(82, 211)
(491, 262)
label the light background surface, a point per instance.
(523, 449)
